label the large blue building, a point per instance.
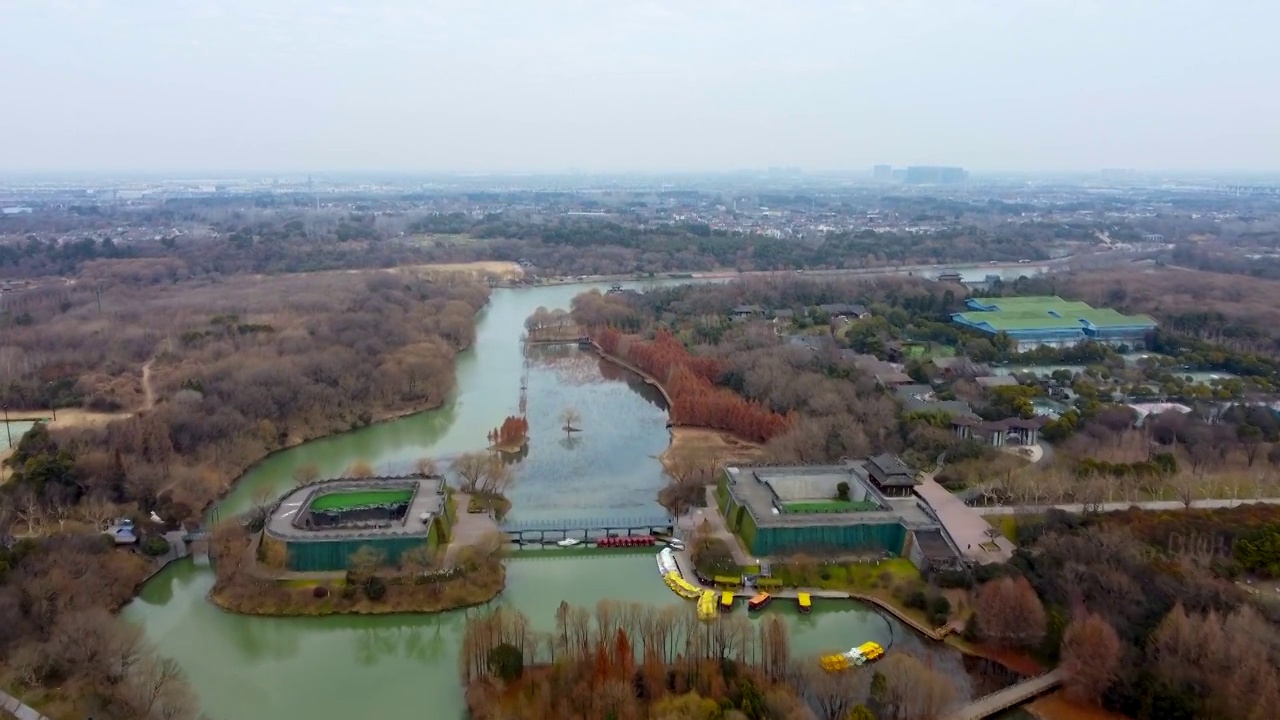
(1050, 320)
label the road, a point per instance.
(923, 270)
(1120, 506)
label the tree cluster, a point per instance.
(511, 433)
(689, 380)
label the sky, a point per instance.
(637, 86)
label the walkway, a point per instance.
(965, 525)
(17, 709)
(1123, 505)
(1011, 696)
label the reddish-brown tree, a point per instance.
(1091, 655)
(1009, 613)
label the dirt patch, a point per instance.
(1055, 706)
(691, 446)
(68, 417)
(482, 268)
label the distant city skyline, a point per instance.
(659, 86)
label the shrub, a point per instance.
(320, 592)
(917, 600)
(375, 589)
(939, 609)
(155, 546)
(506, 661)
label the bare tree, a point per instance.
(426, 466)
(306, 474)
(360, 469)
(570, 417)
(481, 472)
(96, 511)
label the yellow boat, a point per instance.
(805, 603)
(707, 606)
(680, 586)
(726, 601)
(864, 653)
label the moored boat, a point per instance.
(806, 604)
(759, 601)
(726, 601)
(707, 605)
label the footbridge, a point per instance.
(1011, 696)
(522, 531)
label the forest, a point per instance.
(208, 377)
(165, 394)
(284, 237)
(630, 661)
(1151, 629)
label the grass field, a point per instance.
(920, 351)
(828, 506)
(359, 498)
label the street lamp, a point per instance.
(7, 432)
(52, 407)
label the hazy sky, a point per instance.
(615, 85)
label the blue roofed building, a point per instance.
(1049, 320)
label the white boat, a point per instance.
(569, 542)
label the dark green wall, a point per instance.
(887, 537)
(334, 555)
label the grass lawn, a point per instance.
(347, 500)
(828, 506)
(861, 576)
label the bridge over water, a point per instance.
(585, 528)
(1011, 696)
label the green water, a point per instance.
(337, 668)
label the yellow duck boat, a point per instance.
(707, 606)
(680, 586)
(864, 653)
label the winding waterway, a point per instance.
(247, 668)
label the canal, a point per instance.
(341, 667)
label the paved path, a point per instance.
(17, 709)
(1124, 505)
(468, 527)
(1011, 696)
(965, 526)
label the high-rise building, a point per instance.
(882, 173)
(931, 175)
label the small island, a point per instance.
(366, 546)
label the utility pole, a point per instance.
(7, 432)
